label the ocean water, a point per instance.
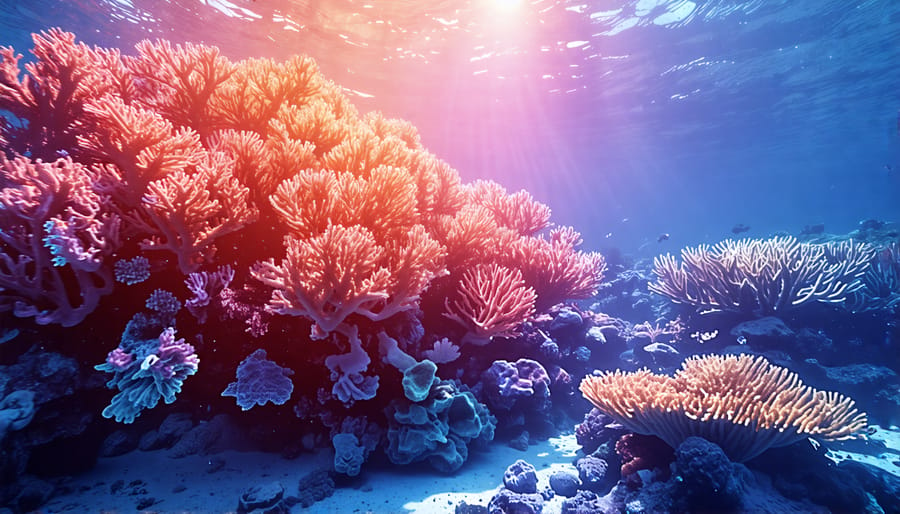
(716, 132)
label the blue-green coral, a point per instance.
(437, 429)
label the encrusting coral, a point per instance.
(742, 403)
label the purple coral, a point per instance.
(145, 371)
(260, 381)
(205, 286)
(506, 382)
(163, 302)
(119, 359)
(132, 271)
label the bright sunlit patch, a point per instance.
(508, 5)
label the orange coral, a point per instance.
(186, 212)
(179, 81)
(186, 147)
(492, 301)
(343, 271)
(742, 403)
(311, 200)
(52, 96)
(556, 268)
(518, 212)
(258, 88)
(142, 145)
(328, 277)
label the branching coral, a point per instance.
(53, 241)
(881, 283)
(742, 403)
(764, 275)
(555, 268)
(492, 301)
(344, 272)
(183, 161)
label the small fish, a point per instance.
(888, 168)
(662, 237)
(740, 227)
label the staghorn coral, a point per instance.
(881, 283)
(49, 100)
(763, 275)
(742, 403)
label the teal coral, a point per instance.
(260, 381)
(439, 429)
(418, 380)
(145, 372)
(349, 454)
(16, 411)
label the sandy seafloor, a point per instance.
(186, 485)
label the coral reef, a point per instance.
(261, 188)
(744, 404)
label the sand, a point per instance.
(208, 484)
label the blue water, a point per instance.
(629, 118)
(648, 125)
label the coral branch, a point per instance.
(764, 275)
(742, 403)
(492, 301)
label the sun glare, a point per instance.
(507, 5)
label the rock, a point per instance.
(468, 508)
(662, 354)
(205, 438)
(708, 479)
(260, 497)
(520, 477)
(315, 486)
(594, 475)
(595, 335)
(884, 486)
(169, 432)
(566, 319)
(520, 442)
(118, 443)
(33, 493)
(564, 484)
(764, 333)
(509, 502)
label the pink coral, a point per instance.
(55, 236)
(492, 301)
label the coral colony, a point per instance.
(242, 223)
